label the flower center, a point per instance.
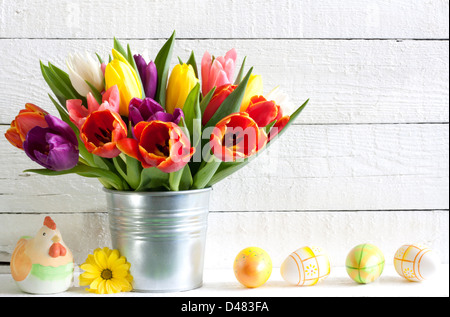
(231, 139)
(104, 137)
(106, 274)
(163, 149)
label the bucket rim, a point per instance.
(157, 193)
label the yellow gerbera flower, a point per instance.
(106, 272)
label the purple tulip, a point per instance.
(54, 147)
(149, 110)
(148, 74)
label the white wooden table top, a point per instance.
(222, 283)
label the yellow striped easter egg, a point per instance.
(306, 266)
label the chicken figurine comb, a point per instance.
(43, 264)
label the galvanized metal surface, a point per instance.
(162, 235)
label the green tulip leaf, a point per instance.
(152, 178)
(192, 115)
(186, 179)
(134, 170)
(181, 179)
(241, 73)
(206, 172)
(269, 126)
(100, 60)
(87, 171)
(62, 81)
(120, 166)
(97, 94)
(162, 62)
(191, 61)
(49, 80)
(118, 47)
(226, 169)
(205, 101)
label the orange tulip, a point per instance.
(158, 144)
(27, 119)
(263, 111)
(236, 136)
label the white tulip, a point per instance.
(281, 99)
(84, 68)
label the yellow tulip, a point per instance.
(181, 81)
(119, 72)
(254, 88)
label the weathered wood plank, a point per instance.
(224, 19)
(279, 233)
(311, 167)
(347, 81)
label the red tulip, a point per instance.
(158, 144)
(101, 131)
(277, 127)
(263, 111)
(28, 118)
(236, 136)
(220, 94)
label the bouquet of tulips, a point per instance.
(136, 127)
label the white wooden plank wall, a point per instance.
(367, 161)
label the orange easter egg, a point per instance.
(252, 267)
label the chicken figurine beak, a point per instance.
(57, 249)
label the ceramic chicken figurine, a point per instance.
(43, 264)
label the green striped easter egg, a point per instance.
(365, 263)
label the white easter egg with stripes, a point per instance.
(416, 262)
(306, 266)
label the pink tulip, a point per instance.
(78, 113)
(218, 72)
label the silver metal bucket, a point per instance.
(162, 235)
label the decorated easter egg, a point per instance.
(416, 262)
(365, 263)
(306, 266)
(252, 267)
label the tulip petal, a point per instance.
(263, 112)
(13, 137)
(28, 120)
(130, 147)
(54, 147)
(92, 103)
(254, 88)
(182, 80)
(112, 96)
(221, 79)
(205, 70)
(119, 72)
(278, 126)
